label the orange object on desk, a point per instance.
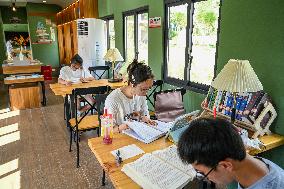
(46, 72)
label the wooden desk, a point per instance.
(65, 91)
(21, 68)
(24, 67)
(120, 180)
(62, 90)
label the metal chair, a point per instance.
(99, 71)
(87, 122)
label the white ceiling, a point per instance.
(62, 3)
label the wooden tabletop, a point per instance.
(120, 180)
(24, 80)
(62, 90)
(107, 160)
(21, 68)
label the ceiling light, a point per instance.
(44, 1)
(14, 7)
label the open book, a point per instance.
(161, 169)
(146, 133)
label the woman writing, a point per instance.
(131, 99)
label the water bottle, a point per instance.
(107, 127)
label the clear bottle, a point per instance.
(107, 127)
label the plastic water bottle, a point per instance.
(107, 127)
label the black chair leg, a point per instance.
(104, 178)
(77, 144)
(70, 139)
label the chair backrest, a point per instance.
(100, 94)
(169, 104)
(157, 86)
(99, 71)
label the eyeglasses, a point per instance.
(201, 176)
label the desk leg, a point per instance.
(43, 93)
(104, 178)
(67, 110)
(8, 97)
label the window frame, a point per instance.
(107, 19)
(186, 83)
(134, 12)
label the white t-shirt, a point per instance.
(119, 105)
(67, 74)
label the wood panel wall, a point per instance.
(67, 26)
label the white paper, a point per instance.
(170, 155)
(152, 172)
(128, 151)
(146, 133)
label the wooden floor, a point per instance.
(34, 149)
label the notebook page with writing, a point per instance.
(151, 172)
(163, 126)
(142, 131)
(170, 155)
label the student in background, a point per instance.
(216, 151)
(74, 73)
(131, 99)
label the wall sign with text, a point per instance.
(155, 22)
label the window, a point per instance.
(109, 32)
(190, 42)
(136, 35)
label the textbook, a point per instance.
(146, 133)
(161, 169)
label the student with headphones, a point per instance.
(131, 99)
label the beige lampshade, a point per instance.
(237, 76)
(113, 55)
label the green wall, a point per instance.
(253, 30)
(46, 53)
(7, 14)
(249, 29)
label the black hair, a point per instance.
(208, 141)
(77, 59)
(138, 72)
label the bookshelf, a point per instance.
(67, 26)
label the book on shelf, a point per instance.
(146, 133)
(161, 169)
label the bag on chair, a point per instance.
(169, 105)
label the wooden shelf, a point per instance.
(48, 42)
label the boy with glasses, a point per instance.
(216, 151)
(73, 74)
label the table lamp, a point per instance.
(237, 76)
(113, 55)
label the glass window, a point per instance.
(191, 37)
(204, 37)
(177, 23)
(136, 35)
(129, 38)
(109, 32)
(143, 37)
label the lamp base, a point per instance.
(112, 80)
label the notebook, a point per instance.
(146, 133)
(161, 169)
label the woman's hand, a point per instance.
(120, 128)
(147, 120)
